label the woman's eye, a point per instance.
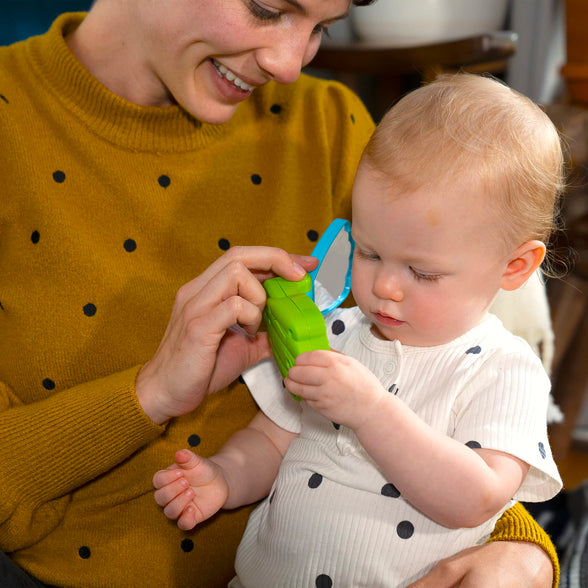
(321, 30)
(261, 12)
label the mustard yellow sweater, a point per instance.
(107, 208)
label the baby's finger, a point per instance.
(174, 509)
(164, 495)
(167, 476)
(188, 519)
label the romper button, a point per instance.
(389, 368)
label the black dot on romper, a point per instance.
(390, 490)
(323, 581)
(315, 480)
(187, 545)
(224, 244)
(474, 445)
(164, 181)
(312, 235)
(338, 327)
(405, 529)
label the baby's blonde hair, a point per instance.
(475, 127)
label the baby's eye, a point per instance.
(424, 276)
(363, 254)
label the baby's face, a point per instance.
(427, 264)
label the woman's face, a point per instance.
(210, 55)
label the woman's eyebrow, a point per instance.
(302, 9)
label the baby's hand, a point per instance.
(191, 490)
(336, 386)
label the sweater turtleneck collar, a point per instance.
(132, 126)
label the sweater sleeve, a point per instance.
(52, 447)
(516, 524)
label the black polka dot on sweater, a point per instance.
(90, 309)
(271, 498)
(130, 245)
(405, 529)
(323, 581)
(224, 244)
(84, 552)
(338, 327)
(35, 237)
(187, 545)
(59, 176)
(337, 426)
(312, 235)
(164, 181)
(542, 451)
(393, 389)
(474, 350)
(194, 440)
(473, 445)
(256, 179)
(48, 384)
(315, 481)
(390, 490)
(276, 108)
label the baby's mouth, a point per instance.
(228, 75)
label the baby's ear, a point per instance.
(524, 261)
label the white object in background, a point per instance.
(404, 23)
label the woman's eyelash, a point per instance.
(261, 12)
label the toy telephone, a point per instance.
(295, 324)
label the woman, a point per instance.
(140, 142)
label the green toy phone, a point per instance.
(295, 324)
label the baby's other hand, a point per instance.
(191, 490)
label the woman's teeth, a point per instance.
(231, 77)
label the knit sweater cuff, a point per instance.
(516, 524)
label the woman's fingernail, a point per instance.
(299, 269)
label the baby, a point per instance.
(427, 419)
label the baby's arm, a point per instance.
(449, 482)
(194, 488)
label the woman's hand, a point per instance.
(508, 564)
(212, 333)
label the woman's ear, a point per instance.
(524, 261)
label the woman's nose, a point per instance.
(286, 54)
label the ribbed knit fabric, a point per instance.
(108, 208)
(332, 513)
